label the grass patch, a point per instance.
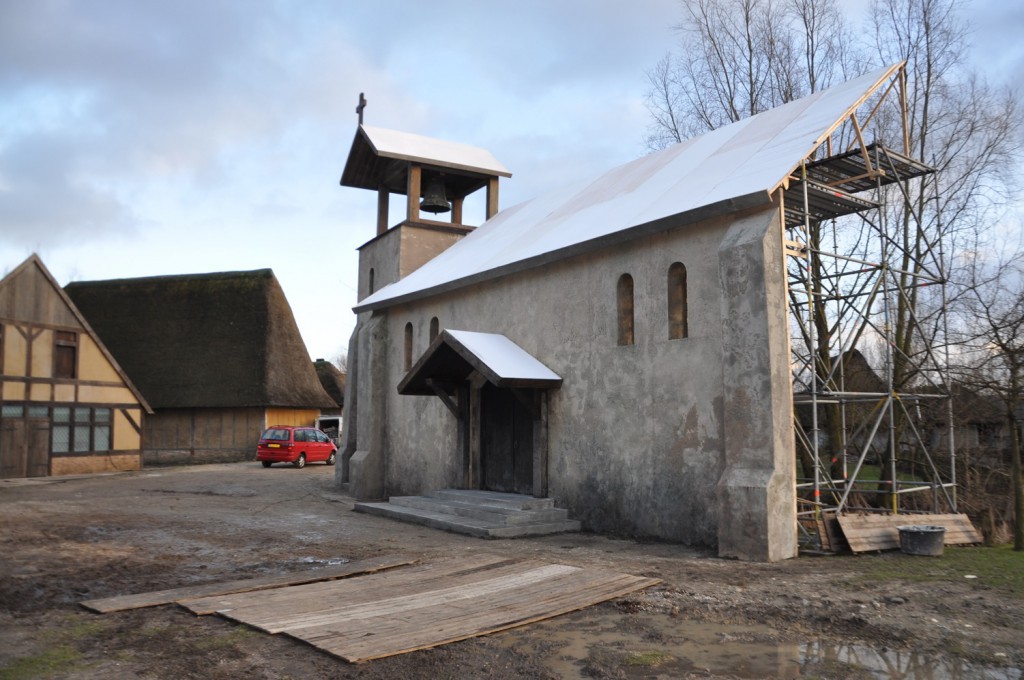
(53, 660)
(647, 659)
(1001, 568)
(872, 473)
(84, 629)
(237, 635)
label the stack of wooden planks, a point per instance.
(394, 611)
(870, 532)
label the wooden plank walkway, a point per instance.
(159, 597)
(383, 614)
(866, 533)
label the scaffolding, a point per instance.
(867, 279)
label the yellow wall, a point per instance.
(104, 394)
(42, 355)
(14, 391)
(39, 392)
(64, 393)
(92, 365)
(14, 352)
(291, 416)
(125, 436)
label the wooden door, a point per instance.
(506, 442)
(24, 447)
(13, 461)
(37, 447)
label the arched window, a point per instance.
(408, 346)
(434, 330)
(369, 280)
(677, 301)
(624, 299)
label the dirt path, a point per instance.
(63, 541)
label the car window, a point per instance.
(321, 437)
(278, 434)
(301, 436)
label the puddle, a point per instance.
(318, 563)
(642, 645)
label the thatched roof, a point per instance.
(222, 340)
(332, 379)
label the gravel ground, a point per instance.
(64, 540)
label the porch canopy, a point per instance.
(454, 355)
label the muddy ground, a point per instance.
(67, 540)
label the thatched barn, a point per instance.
(66, 406)
(333, 381)
(218, 356)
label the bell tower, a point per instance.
(435, 176)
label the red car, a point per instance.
(295, 445)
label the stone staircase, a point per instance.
(485, 514)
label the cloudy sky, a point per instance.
(146, 137)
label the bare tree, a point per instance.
(741, 57)
(992, 352)
(967, 131)
(341, 361)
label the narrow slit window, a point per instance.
(408, 346)
(677, 312)
(369, 282)
(434, 328)
(624, 297)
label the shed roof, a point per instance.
(734, 167)
(453, 355)
(221, 340)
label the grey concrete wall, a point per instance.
(756, 493)
(420, 244)
(402, 250)
(367, 465)
(380, 254)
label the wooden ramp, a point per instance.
(159, 597)
(866, 533)
(387, 613)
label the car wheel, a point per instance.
(300, 462)
(332, 457)
(266, 463)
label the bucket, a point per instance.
(922, 539)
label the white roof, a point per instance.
(508, 360)
(410, 147)
(735, 166)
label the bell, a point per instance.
(434, 199)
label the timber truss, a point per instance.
(861, 268)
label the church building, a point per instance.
(620, 345)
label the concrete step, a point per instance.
(491, 516)
(496, 498)
(499, 514)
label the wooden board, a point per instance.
(363, 589)
(159, 597)
(867, 533)
(378, 615)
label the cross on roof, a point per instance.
(362, 105)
